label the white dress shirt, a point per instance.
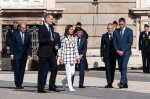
(49, 29)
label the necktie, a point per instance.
(79, 42)
(50, 32)
(22, 36)
(121, 33)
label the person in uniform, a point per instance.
(144, 47)
(8, 39)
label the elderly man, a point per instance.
(20, 50)
(108, 55)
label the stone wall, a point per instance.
(94, 20)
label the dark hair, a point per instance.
(78, 29)
(79, 23)
(122, 19)
(67, 29)
(53, 24)
(115, 22)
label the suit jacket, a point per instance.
(69, 50)
(9, 35)
(107, 47)
(57, 39)
(82, 48)
(123, 44)
(45, 45)
(144, 42)
(17, 48)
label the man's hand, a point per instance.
(102, 59)
(12, 57)
(78, 60)
(52, 39)
(61, 61)
(8, 48)
(29, 57)
(80, 56)
(120, 53)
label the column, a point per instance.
(137, 32)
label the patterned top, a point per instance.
(69, 50)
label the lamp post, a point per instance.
(95, 2)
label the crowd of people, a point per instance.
(115, 45)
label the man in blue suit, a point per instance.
(82, 48)
(108, 55)
(122, 41)
(21, 50)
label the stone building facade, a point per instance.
(93, 15)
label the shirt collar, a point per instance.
(123, 29)
(46, 25)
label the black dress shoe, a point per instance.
(125, 86)
(41, 91)
(108, 86)
(120, 85)
(81, 86)
(21, 87)
(52, 88)
(17, 87)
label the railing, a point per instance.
(32, 29)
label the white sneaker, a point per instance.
(64, 85)
(72, 90)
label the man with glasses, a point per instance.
(108, 55)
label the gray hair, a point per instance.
(46, 16)
(110, 24)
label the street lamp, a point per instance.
(95, 2)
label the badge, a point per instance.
(149, 37)
(143, 36)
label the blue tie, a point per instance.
(79, 42)
(49, 31)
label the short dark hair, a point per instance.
(115, 22)
(78, 29)
(53, 24)
(122, 19)
(79, 23)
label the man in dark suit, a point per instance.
(57, 45)
(108, 55)
(8, 39)
(122, 41)
(21, 50)
(46, 54)
(144, 47)
(79, 24)
(82, 48)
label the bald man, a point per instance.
(20, 50)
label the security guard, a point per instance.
(144, 47)
(9, 36)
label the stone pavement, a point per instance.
(139, 87)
